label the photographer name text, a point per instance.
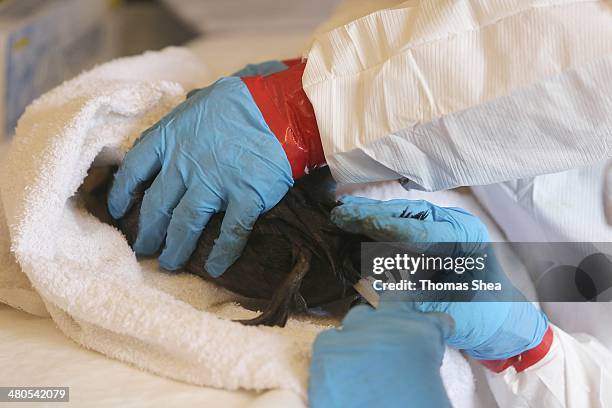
(425, 284)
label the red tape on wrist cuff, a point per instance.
(290, 116)
(524, 360)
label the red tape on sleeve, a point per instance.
(290, 116)
(524, 360)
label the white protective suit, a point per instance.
(449, 93)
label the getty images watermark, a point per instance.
(560, 272)
(408, 266)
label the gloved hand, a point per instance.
(389, 357)
(225, 148)
(484, 328)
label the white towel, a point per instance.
(86, 276)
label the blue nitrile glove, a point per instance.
(486, 329)
(212, 153)
(263, 68)
(389, 357)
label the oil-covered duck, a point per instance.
(295, 258)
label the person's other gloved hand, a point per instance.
(235, 146)
(389, 357)
(485, 328)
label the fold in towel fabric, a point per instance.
(66, 263)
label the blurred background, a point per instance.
(44, 42)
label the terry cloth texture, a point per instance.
(66, 263)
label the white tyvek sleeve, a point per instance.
(464, 93)
(576, 373)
